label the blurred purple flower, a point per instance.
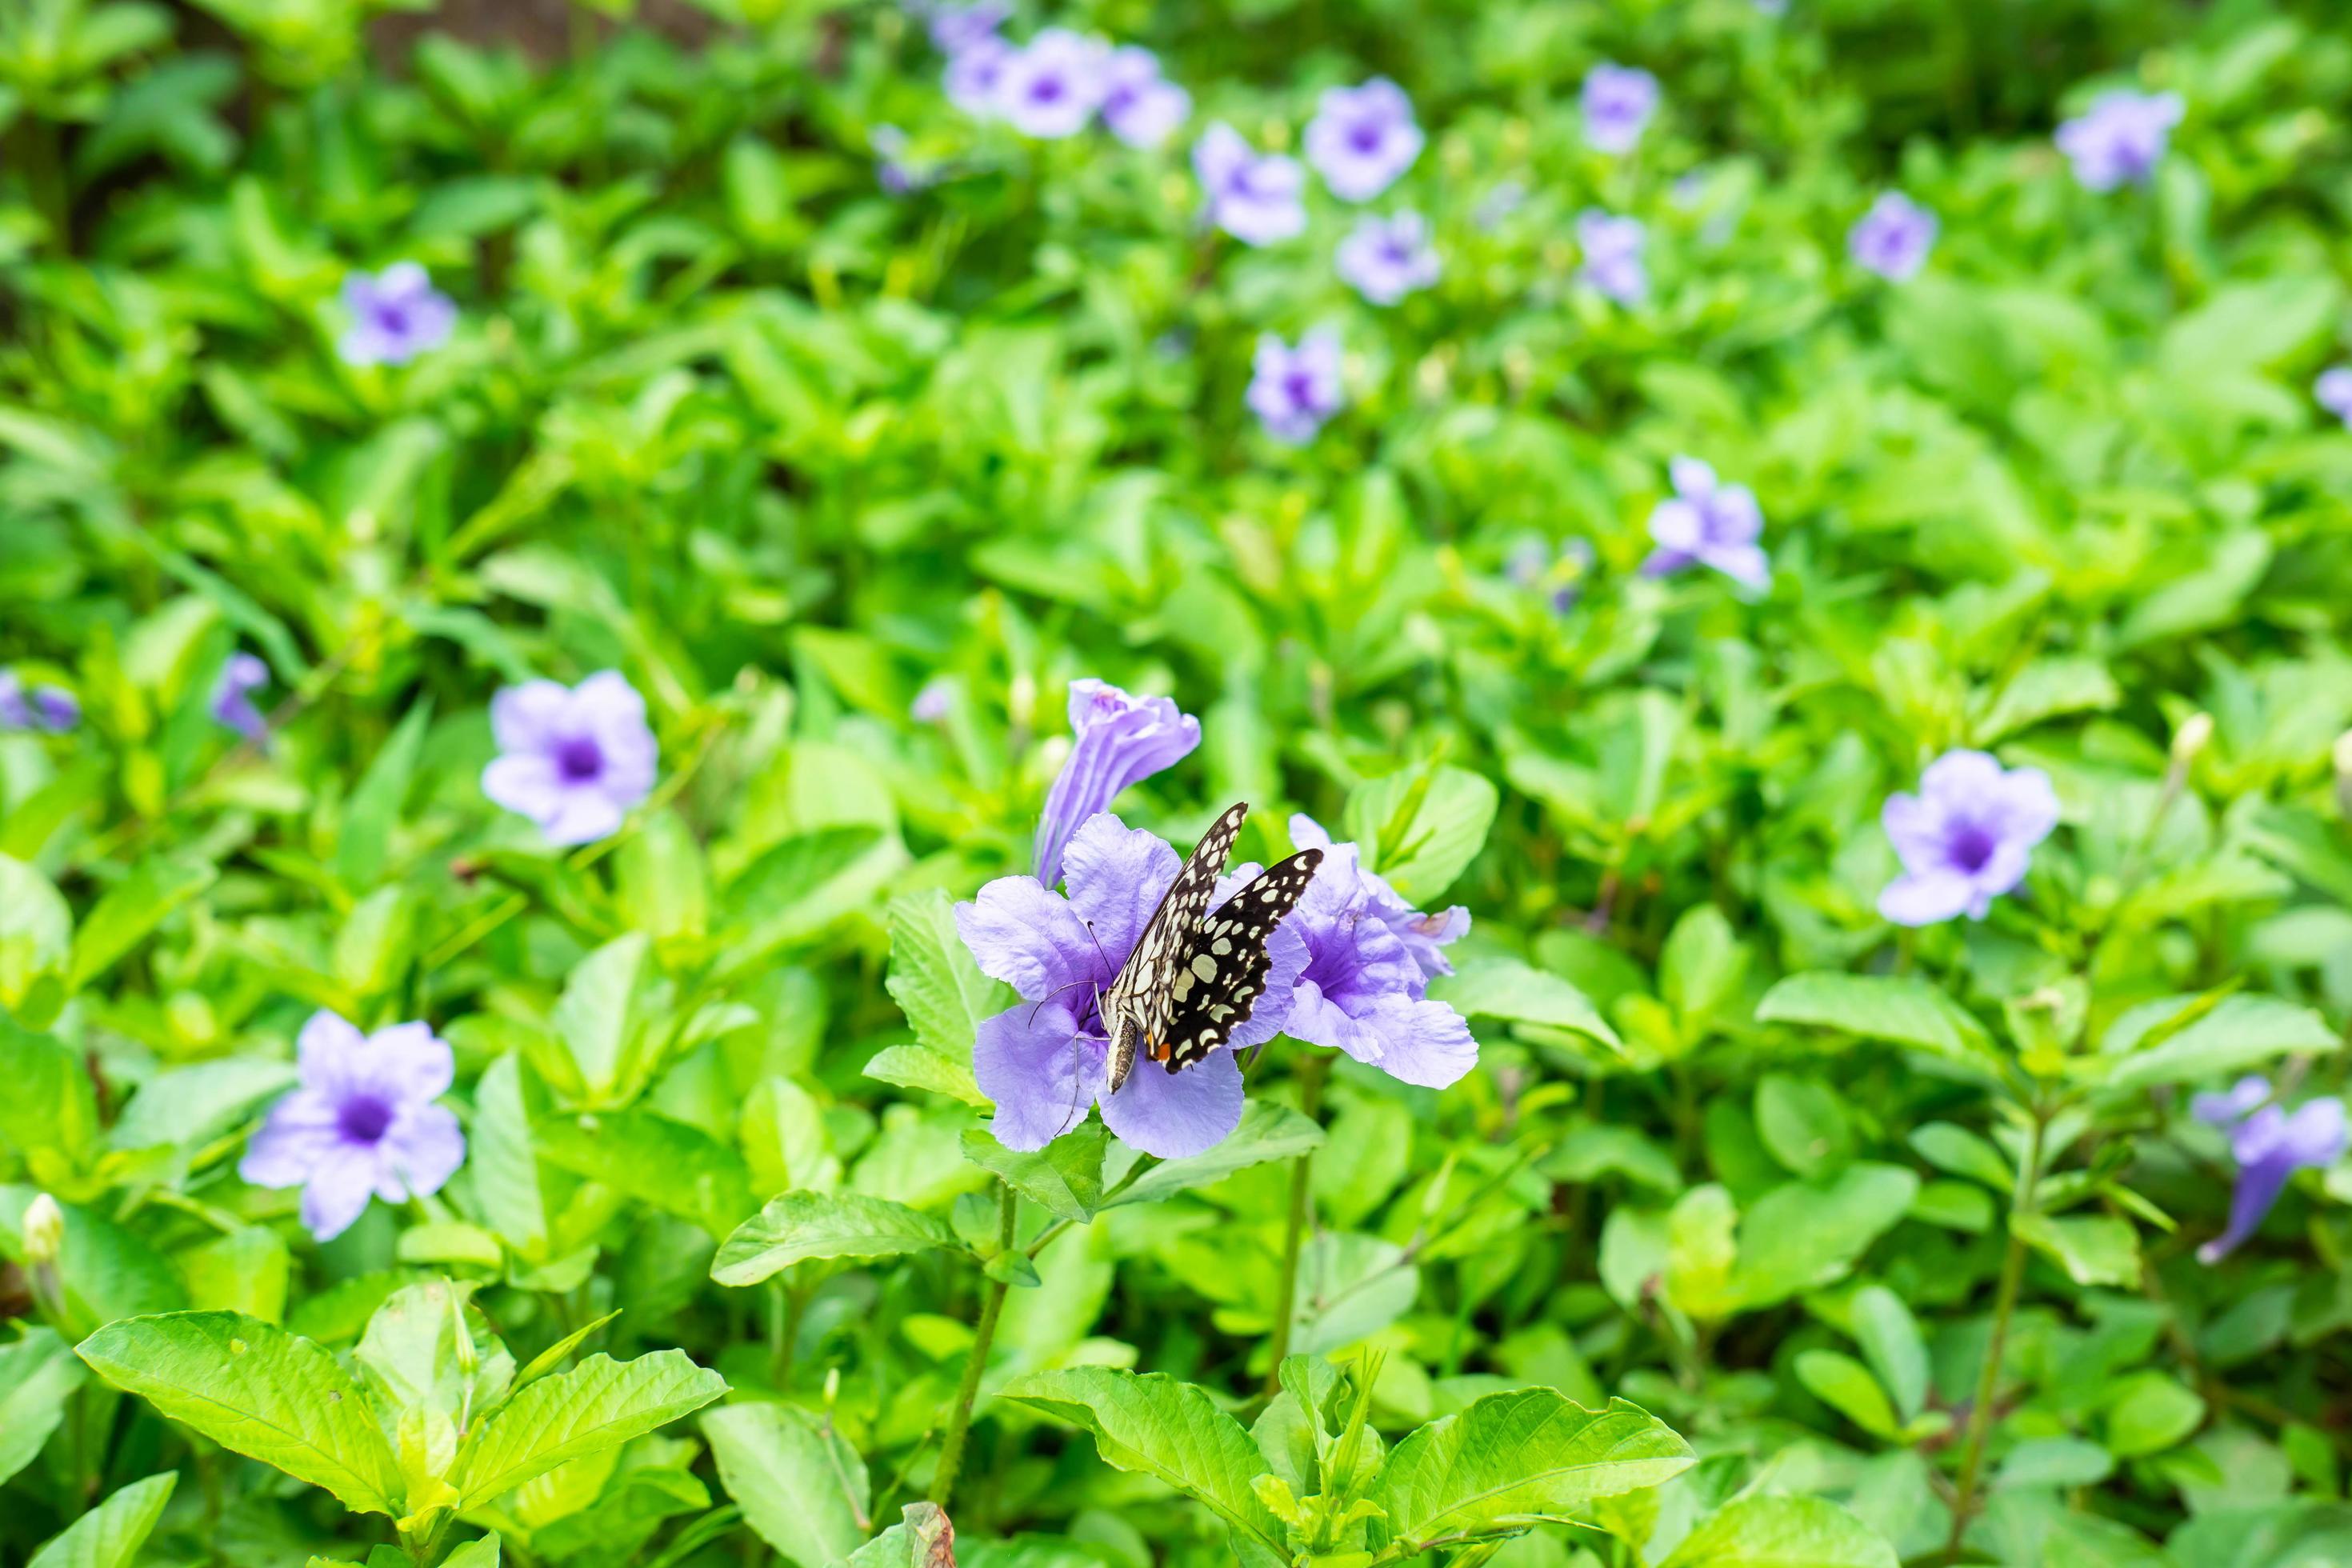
(1042, 1060)
(1535, 564)
(1707, 523)
(1386, 258)
(1362, 138)
(893, 174)
(1506, 198)
(1613, 255)
(1118, 741)
(1052, 84)
(1618, 103)
(363, 1122)
(573, 759)
(232, 704)
(396, 314)
(976, 75)
(1965, 838)
(1253, 198)
(955, 28)
(1369, 959)
(1294, 390)
(49, 710)
(1892, 238)
(2334, 391)
(2270, 1144)
(1141, 106)
(2121, 138)
(933, 701)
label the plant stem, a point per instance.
(2012, 1272)
(983, 1335)
(1312, 1070)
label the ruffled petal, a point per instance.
(582, 816)
(425, 1147)
(1116, 876)
(530, 717)
(409, 1063)
(330, 1053)
(1176, 1114)
(298, 1136)
(1029, 937)
(526, 782)
(1038, 1071)
(1422, 1041)
(1926, 897)
(338, 1192)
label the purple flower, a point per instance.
(1141, 106)
(396, 314)
(1892, 238)
(893, 172)
(1369, 959)
(2270, 1145)
(1534, 563)
(1965, 838)
(1613, 255)
(976, 75)
(933, 702)
(1386, 258)
(1710, 524)
(955, 28)
(363, 1122)
(1618, 103)
(1118, 741)
(1294, 390)
(1253, 198)
(573, 759)
(1052, 86)
(2120, 139)
(240, 677)
(2333, 390)
(1362, 138)
(49, 710)
(1042, 1062)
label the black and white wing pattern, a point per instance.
(1194, 977)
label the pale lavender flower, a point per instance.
(976, 75)
(1294, 390)
(1053, 85)
(1965, 838)
(396, 314)
(2270, 1144)
(47, 710)
(1613, 256)
(2121, 138)
(1042, 1062)
(2334, 391)
(1369, 959)
(933, 702)
(363, 1122)
(1253, 198)
(1386, 258)
(1141, 106)
(1506, 198)
(1560, 572)
(1118, 741)
(1892, 238)
(1707, 523)
(1362, 138)
(955, 28)
(1618, 103)
(231, 703)
(574, 759)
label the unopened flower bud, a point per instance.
(2195, 732)
(45, 1230)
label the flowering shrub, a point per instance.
(612, 638)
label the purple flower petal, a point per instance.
(1118, 740)
(2270, 1146)
(1966, 838)
(1618, 101)
(361, 1120)
(1362, 138)
(1026, 936)
(2226, 1110)
(576, 760)
(1175, 1115)
(1040, 1071)
(1925, 898)
(1117, 875)
(337, 1193)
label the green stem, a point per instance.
(992, 1306)
(1313, 1067)
(2012, 1273)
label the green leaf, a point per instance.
(802, 1487)
(1516, 992)
(1516, 1458)
(1803, 1122)
(1802, 1235)
(1891, 1341)
(1891, 1007)
(1701, 970)
(1778, 1532)
(934, 980)
(502, 1156)
(373, 811)
(2149, 1412)
(49, 1103)
(600, 1018)
(480, 1553)
(797, 1225)
(1421, 828)
(257, 1390)
(600, 1404)
(922, 1067)
(133, 909)
(2242, 1032)
(110, 1535)
(1268, 1131)
(1847, 1386)
(37, 1374)
(2094, 1250)
(923, 1538)
(673, 1166)
(1948, 1146)
(1065, 1177)
(1164, 1428)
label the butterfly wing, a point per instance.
(1137, 1006)
(1223, 972)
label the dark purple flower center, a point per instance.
(391, 317)
(1365, 136)
(1047, 89)
(1298, 387)
(1970, 847)
(579, 758)
(362, 1119)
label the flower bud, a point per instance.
(45, 1230)
(2195, 732)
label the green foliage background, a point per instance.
(786, 451)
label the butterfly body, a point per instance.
(1195, 975)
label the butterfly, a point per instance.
(1194, 977)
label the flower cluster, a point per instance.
(1057, 83)
(2270, 1144)
(1965, 838)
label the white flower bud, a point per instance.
(2195, 732)
(45, 1230)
